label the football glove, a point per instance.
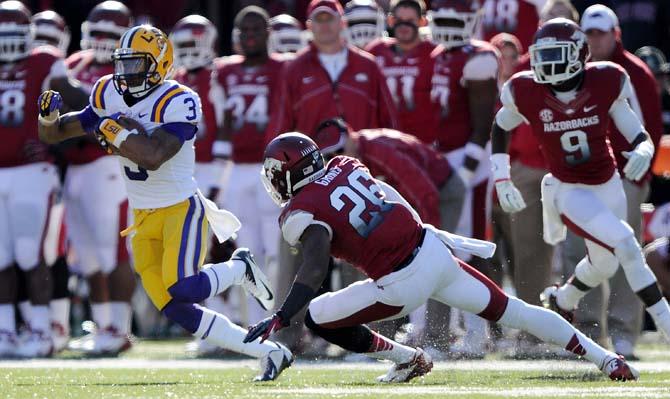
(638, 161)
(265, 328)
(48, 104)
(509, 197)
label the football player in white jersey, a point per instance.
(151, 122)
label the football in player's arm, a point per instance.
(122, 135)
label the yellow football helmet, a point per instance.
(142, 61)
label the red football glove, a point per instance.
(265, 328)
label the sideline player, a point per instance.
(151, 124)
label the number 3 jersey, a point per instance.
(573, 136)
(170, 102)
(248, 92)
(20, 85)
(365, 230)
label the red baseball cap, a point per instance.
(333, 7)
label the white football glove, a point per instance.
(509, 197)
(638, 161)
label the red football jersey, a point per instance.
(408, 77)
(414, 168)
(451, 94)
(518, 17)
(573, 136)
(21, 83)
(370, 233)
(249, 94)
(83, 67)
(201, 82)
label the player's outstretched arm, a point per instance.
(316, 257)
(639, 158)
(509, 197)
(53, 127)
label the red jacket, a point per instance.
(646, 89)
(307, 96)
(415, 169)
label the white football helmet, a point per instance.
(365, 22)
(194, 40)
(452, 22)
(51, 29)
(103, 28)
(286, 35)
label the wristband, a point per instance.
(474, 151)
(46, 122)
(122, 136)
(500, 167)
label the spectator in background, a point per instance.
(331, 79)
(625, 310)
(518, 17)
(643, 23)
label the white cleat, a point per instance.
(419, 365)
(8, 342)
(60, 337)
(37, 344)
(274, 363)
(617, 369)
(255, 282)
(109, 342)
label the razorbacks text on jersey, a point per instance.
(169, 102)
(573, 136)
(249, 95)
(20, 85)
(367, 231)
(453, 67)
(408, 77)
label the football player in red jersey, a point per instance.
(406, 63)
(93, 181)
(518, 17)
(340, 209)
(365, 22)
(286, 35)
(569, 103)
(51, 29)
(465, 88)
(27, 178)
(249, 82)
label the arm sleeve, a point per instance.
(481, 67)
(508, 117)
(297, 222)
(625, 119)
(393, 195)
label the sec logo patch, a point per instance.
(546, 115)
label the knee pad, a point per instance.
(192, 289)
(187, 315)
(593, 272)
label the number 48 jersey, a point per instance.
(573, 136)
(170, 102)
(367, 231)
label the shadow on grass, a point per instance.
(566, 377)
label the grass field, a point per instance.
(161, 370)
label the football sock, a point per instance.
(60, 313)
(121, 317)
(7, 318)
(25, 309)
(101, 314)
(552, 328)
(212, 280)
(387, 349)
(40, 319)
(660, 313)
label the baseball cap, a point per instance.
(599, 17)
(333, 7)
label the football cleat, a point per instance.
(548, 298)
(37, 344)
(419, 365)
(109, 342)
(8, 344)
(60, 336)
(617, 369)
(274, 363)
(255, 282)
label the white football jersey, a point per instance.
(171, 102)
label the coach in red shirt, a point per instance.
(331, 79)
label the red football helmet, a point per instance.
(452, 22)
(194, 40)
(365, 22)
(50, 29)
(559, 51)
(103, 28)
(290, 162)
(286, 35)
(16, 32)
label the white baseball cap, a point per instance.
(599, 17)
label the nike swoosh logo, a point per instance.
(589, 109)
(142, 115)
(270, 296)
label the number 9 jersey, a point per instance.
(573, 135)
(169, 102)
(365, 230)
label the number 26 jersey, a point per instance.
(367, 231)
(573, 136)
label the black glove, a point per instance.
(266, 327)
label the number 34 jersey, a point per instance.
(573, 136)
(170, 102)
(367, 231)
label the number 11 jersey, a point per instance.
(366, 230)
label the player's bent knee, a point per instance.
(187, 315)
(191, 289)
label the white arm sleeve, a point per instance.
(625, 119)
(508, 117)
(393, 195)
(296, 223)
(481, 67)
